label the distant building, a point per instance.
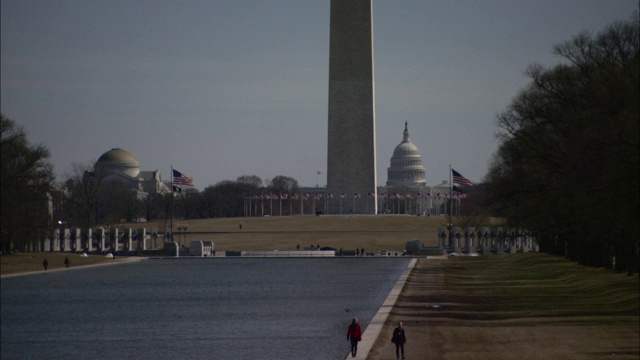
(405, 190)
(406, 167)
(200, 248)
(121, 166)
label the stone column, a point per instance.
(129, 234)
(154, 239)
(77, 234)
(56, 240)
(442, 237)
(483, 233)
(115, 239)
(89, 240)
(142, 242)
(456, 234)
(102, 234)
(511, 238)
(470, 236)
(499, 239)
(66, 240)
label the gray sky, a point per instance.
(219, 89)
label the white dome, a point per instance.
(118, 161)
(406, 164)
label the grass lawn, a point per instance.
(525, 306)
(372, 233)
(27, 262)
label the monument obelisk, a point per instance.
(351, 165)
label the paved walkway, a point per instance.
(375, 326)
(118, 260)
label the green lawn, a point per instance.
(540, 286)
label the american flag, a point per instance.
(356, 195)
(343, 195)
(330, 196)
(459, 179)
(181, 179)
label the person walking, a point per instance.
(45, 263)
(399, 339)
(66, 262)
(355, 335)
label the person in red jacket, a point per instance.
(355, 335)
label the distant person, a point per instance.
(67, 262)
(399, 339)
(355, 335)
(357, 252)
(45, 263)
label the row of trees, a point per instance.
(89, 201)
(568, 163)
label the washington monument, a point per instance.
(351, 165)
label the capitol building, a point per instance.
(406, 167)
(406, 187)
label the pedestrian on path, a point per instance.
(45, 263)
(399, 339)
(66, 262)
(355, 335)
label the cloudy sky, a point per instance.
(219, 89)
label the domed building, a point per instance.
(406, 167)
(121, 166)
(118, 161)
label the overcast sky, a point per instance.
(219, 89)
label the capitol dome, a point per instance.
(118, 161)
(406, 167)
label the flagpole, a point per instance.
(450, 225)
(171, 205)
